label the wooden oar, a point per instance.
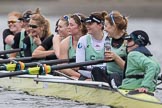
(11, 51)
(22, 66)
(48, 69)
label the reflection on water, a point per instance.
(17, 99)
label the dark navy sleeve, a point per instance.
(6, 32)
(16, 41)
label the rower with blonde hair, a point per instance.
(51, 46)
(14, 26)
(38, 30)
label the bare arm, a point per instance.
(64, 46)
(119, 61)
(56, 45)
(9, 39)
(40, 52)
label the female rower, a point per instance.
(141, 70)
(116, 26)
(39, 30)
(91, 46)
(53, 42)
(15, 26)
(18, 38)
(69, 44)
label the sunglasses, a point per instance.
(13, 22)
(33, 26)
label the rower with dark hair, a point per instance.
(91, 46)
(69, 44)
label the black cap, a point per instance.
(26, 16)
(93, 18)
(140, 37)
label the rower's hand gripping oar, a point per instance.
(45, 69)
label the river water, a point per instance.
(18, 99)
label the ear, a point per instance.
(42, 28)
(21, 23)
(80, 27)
(101, 25)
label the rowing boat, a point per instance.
(68, 88)
(82, 91)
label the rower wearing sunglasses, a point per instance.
(142, 69)
(38, 29)
(18, 39)
(14, 26)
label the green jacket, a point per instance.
(139, 63)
